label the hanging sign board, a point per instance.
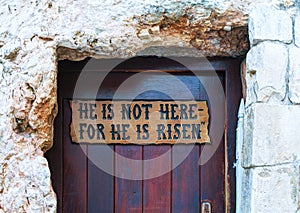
(139, 122)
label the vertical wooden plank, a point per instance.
(157, 191)
(185, 180)
(74, 183)
(128, 192)
(100, 184)
(213, 179)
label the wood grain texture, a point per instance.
(74, 182)
(100, 184)
(157, 190)
(128, 192)
(185, 180)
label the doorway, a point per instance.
(81, 186)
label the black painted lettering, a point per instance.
(164, 113)
(138, 131)
(160, 132)
(184, 131)
(136, 111)
(173, 112)
(81, 126)
(91, 131)
(196, 131)
(100, 128)
(192, 111)
(93, 116)
(147, 106)
(146, 132)
(177, 131)
(83, 110)
(124, 131)
(111, 114)
(183, 113)
(169, 131)
(115, 132)
(103, 111)
(126, 112)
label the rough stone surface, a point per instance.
(191, 23)
(267, 65)
(294, 75)
(28, 89)
(269, 23)
(297, 30)
(271, 135)
(273, 189)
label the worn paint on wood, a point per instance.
(139, 122)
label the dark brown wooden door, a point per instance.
(83, 187)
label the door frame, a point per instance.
(231, 69)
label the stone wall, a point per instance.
(271, 149)
(34, 35)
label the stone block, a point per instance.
(271, 135)
(273, 189)
(297, 30)
(268, 23)
(266, 72)
(294, 75)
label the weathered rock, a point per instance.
(270, 189)
(297, 30)
(29, 94)
(294, 75)
(271, 135)
(266, 73)
(268, 23)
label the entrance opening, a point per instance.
(82, 186)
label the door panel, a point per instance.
(129, 193)
(98, 181)
(185, 181)
(83, 187)
(74, 164)
(157, 191)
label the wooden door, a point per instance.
(83, 187)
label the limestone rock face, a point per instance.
(297, 30)
(278, 180)
(28, 89)
(294, 75)
(115, 28)
(267, 65)
(271, 137)
(271, 148)
(269, 23)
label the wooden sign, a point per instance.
(139, 122)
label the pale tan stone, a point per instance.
(273, 189)
(294, 75)
(267, 65)
(271, 135)
(268, 23)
